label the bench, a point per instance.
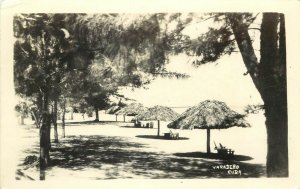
(171, 135)
(224, 152)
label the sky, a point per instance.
(223, 80)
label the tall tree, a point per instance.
(40, 49)
(97, 97)
(268, 74)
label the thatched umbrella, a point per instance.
(132, 109)
(159, 113)
(209, 114)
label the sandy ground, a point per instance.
(109, 150)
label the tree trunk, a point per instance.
(208, 141)
(116, 117)
(54, 119)
(36, 119)
(97, 114)
(72, 111)
(22, 120)
(269, 77)
(244, 43)
(277, 157)
(49, 131)
(124, 117)
(44, 143)
(63, 119)
(39, 110)
(158, 127)
(273, 79)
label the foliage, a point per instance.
(212, 45)
(253, 109)
(40, 54)
(23, 109)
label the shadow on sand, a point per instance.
(114, 157)
(90, 122)
(117, 157)
(213, 156)
(132, 127)
(159, 137)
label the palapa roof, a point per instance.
(113, 109)
(132, 109)
(211, 114)
(162, 113)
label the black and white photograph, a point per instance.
(129, 95)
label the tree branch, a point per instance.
(254, 29)
(243, 40)
(214, 16)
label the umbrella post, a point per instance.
(158, 127)
(208, 141)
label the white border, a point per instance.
(292, 12)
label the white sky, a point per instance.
(223, 81)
